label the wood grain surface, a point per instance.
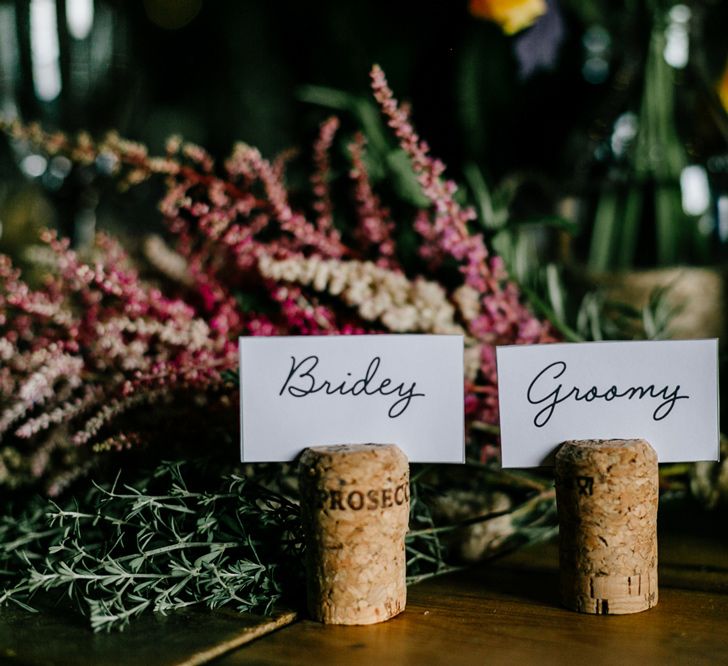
(503, 612)
(509, 613)
(59, 637)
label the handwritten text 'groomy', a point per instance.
(544, 390)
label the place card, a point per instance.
(663, 391)
(297, 392)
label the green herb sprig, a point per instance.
(125, 550)
(160, 543)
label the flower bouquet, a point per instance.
(103, 370)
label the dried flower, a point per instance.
(92, 344)
(320, 177)
(375, 227)
(378, 293)
(86, 354)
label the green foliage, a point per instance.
(159, 545)
(165, 543)
(515, 240)
(385, 159)
(590, 316)
(646, 189)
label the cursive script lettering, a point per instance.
(544, 390)
(302, 381)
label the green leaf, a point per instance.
(404, 180)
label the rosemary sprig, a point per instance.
(122, 551)
(165, 542)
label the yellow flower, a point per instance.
(511, 15)
(723, 87)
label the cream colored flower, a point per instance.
(168, 262)
(468, 301)
(471, 359)
(378, 294)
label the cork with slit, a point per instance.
(607, 495)
(355, 504)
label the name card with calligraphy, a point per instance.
(297, 392)
(663, 391)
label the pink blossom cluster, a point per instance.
(95, 345)
(376, 227)
(504, 318)
(91, 344)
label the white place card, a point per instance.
(297, 392)
(665, 392)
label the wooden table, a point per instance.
(503, 612)
(508, 613)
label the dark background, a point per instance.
(221, 71)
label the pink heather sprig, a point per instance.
(217, 233)
(446, 227)
(39, 386)
(120, 345)
(322, 173)
(31, 311)
(375, 226)
(450, 221)
(95, 283)
(65, 412)
(248, 162)
(113, 409)
(281, 161)
(139, 346)
(303, 316)
(503, 319)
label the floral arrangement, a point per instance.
(103, 368)
(95, 344)
(100, 365)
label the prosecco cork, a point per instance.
(355, 501)
(606, 495)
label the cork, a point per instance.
(606, 495)
(355, 504)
